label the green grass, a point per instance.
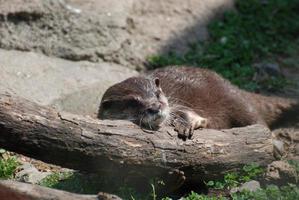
(289, 192)
(255, 32)
(234, 179)
(295, 164)
(91, 184)
(248, 172)
(56, 179)
(195, 196)
(73, 182)
(8, 165)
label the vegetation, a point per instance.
(56, 179)
(272, 192)
(234, 179)
(249, 172)
(73, 182)
(295, 164)
(289, 192)
(91, 184)
(256, 32)
(8, 165)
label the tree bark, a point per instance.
(12, 190)
(119, 147)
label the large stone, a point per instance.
(61, 29)
(281, 173)
(286, 142)
(71, 86)
(251, 186)
(17, 6)
(29, 174)
(125, 32)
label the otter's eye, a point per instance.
(107, 104)
(121, 104)
(133, 103)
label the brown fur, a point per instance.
(207, 94)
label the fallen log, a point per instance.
(13, 190)
(120, 147)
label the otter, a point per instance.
(188, 98)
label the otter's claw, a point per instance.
(186, 127)
(184, 131)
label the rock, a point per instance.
(278, 148)
(270, 69)
(70, 86)
(55, 29)
(280, 173)
(29, 174)
(124, 32)
(18, 6)
(251, 186)
(234, 190)
(289, 136)
(266, 71)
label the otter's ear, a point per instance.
(157, 82)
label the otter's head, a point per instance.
(138, 99)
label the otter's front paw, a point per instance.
(186, 126)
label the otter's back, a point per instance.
(207, 93)
(215, 98)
